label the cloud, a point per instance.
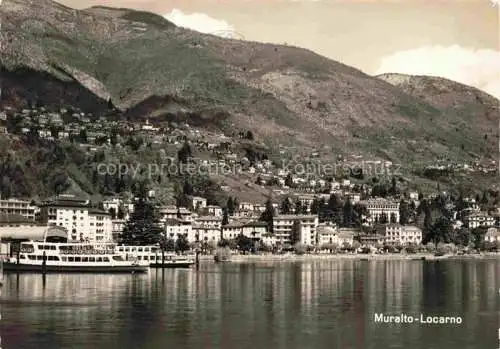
(478, 68)
(200, 22)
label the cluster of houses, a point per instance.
(202, 223)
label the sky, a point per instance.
(455, 39)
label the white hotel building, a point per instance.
(379, 206)
(18, 207)
(289, 229)
(82, 222)
(403, 234)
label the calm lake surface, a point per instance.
(316, 305)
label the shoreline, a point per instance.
(240, 258)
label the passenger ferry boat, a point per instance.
(70, 257)
(152, 256)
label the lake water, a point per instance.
(306, 305)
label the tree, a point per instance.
(112, 212)
(168, 245)
(185, 153)
(286, 206)
(249, 135)
(244, 243)
(394, 187)
(315, 206)
(181, 244)
(83, 136)
(143, 227)
(230, 205)
(268, 215)
(225, 216)
(394, 218)
(121, 213)
(484, 199)
(404, 212)
(300, 248)
(348, 213)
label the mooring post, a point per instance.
(197, 261)
(44, 263)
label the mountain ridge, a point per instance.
(284, 94)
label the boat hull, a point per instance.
(172, 265)
(9, 267)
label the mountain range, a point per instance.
(147, 67)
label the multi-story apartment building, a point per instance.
(197, 202)
(206, 234)
(18, 207)
(403, 234)
(172, 212)
(213, 210)
(81, 221)
(209, 221)
(289, 229)
(117, 228)
(479, 219)
(253, 230)
(174, 228)
(379, 206)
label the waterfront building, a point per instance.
(174, 228)
(82, 222)
(371, 239)
(206, 234)
(492, 235)
(254, 230)
(327, 235)
(289, 229)
(18, 207)
(403, 234)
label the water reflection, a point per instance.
(281, 305)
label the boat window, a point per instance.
(22, 256)
(146, 249)
(117, 258)
(153, 258)
(64, 258)
(85, 259)
(71, 259)
(120, 249)
(78, 259)
(127, 249)
(99, 259)
(154, 249)
(53, 258)
(30, 257)
(53, 247)
(139, 249)
(91, 259)
(105, 259)
(39, 258)
(145, 258)
(139, 258)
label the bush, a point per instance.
(299, 248)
